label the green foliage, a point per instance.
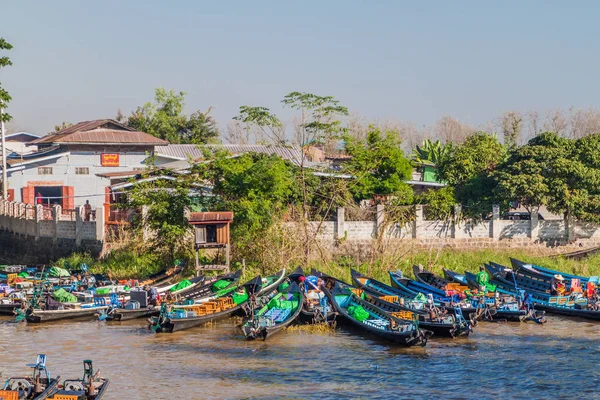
(319, 116)
(165, 119)
(378, 165)
(264, 120)
(256, 187)
(469, 169)
(562, 173)
(477, 156)
(439, 203)
(431, 152)
(165, 201)
(4, 96)
(124, 263)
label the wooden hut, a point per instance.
(212, 231)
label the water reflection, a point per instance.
(498, 360)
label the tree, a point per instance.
(256, 187)
(562, 173)
(62, 126)
(165, 202)
(4, 96)
(469, 168)
(165, 119)
(378, 164)
(511, 125)
(260, 120)
(451, 130)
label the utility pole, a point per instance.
(4, 180)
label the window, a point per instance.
(82, 171)
(44, 170)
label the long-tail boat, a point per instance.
(37, 386)
(371, 319)
(572, 305)
(273, 311)
(316, 307)
(442, 321)
(174, 317)
(90, 387)
(431, 279)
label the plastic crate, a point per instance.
(9, 395)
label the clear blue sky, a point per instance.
(408, 60)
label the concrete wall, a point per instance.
(483, 232)
(30, 234)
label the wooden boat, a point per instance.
(162, 277)
(442, 325)
(90, 387)
(409, 286)
(214, 288)
(8, 306)
(455, 277)
(273, 311)
(37, 386)
(508, 281)
(174, 318)
(373, 320)
(536, 271)
(52, 310)
(316, 307)
(449, 321)
(429, 278)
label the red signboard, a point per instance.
(109, 160)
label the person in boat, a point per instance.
(154, 296)
(557, 286)
(482, 280)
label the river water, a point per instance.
(499, 360)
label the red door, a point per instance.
(68, 201)
(28, 194)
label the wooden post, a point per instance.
(197, 262)
(227, 256)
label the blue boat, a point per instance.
(549, 273)
(511, 282)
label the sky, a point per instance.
(403, 60)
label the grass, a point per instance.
(456, 260)
(126, 264)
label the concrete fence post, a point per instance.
(457, 224)
(78, 225)
(341, 223)
(380, 218)
(495, 222)
(570, 228)
(418, 223)
(39, 215)
(56, 214)
(100, 224)
(534, 228)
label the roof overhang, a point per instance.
(431, 184)
(124, 185)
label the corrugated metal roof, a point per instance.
(104, 131)
(214, 216)
(186, 151)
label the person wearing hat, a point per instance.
(558, 287)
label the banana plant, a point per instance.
(431, 152)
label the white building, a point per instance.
(76, 163)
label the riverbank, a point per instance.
(126, 264)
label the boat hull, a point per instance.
(180, 324)
(122, 314)
(38, 316)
